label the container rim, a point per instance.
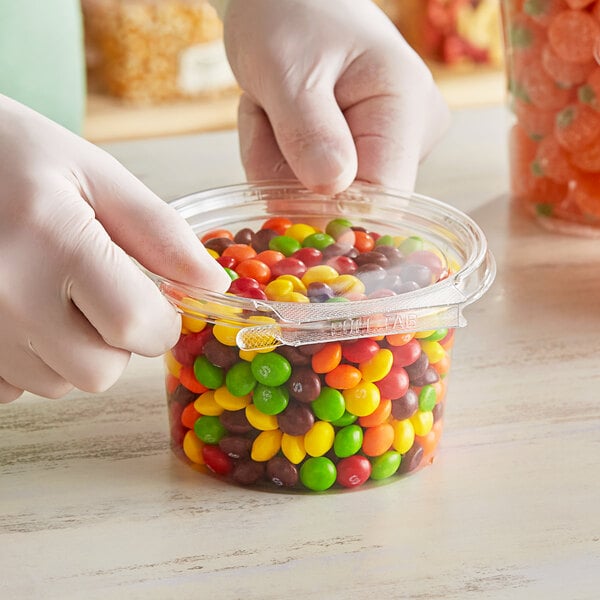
(437, 305)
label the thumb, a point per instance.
(145, 226)
(314, 138)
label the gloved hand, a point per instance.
(73, 306)
(332, 93)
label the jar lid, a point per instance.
(464, 267)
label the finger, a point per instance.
(121, 303)
(261, 156)
(8, 392)
(314, 138)
(80, 355)
(24, 370)
(393, 128)
(146, 227)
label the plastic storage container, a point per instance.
(553, 63)
(326, 364)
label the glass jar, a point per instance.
(553, 69)
(326, 364)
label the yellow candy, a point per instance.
(294, 297)
(259, 420)
(404, 435)
(319, 438)
(434, 350)
(266, 445)
(172, 365)
(295, 281)
(319, 273)
(213, 253)
(362, 399)
(269, 343)
(378, 366)
(278, 288)
(206, 404)
(192, 324)
(422, 421)
(424, 334)
(292, 447)
(247, 355)
(192, 447)
(346, 284)
(224, 398)
(225, 333)
(299, 231)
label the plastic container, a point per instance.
(553, 68)
(278, 391)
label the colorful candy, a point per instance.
(338, 413)
(553, 50)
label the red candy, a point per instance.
(353, 471)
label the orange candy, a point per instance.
(278, 224)
(189, 416)
(588, 160)
(216, 233)
(343, 377)
(399, 339)
(586, 194)
(255, 269)
(270, 257)
(536, 122)
(540, 89)
(188, 379)
(573, 35)
(378, 440)
(589, 93)
(577, 127)
(378, 416)
(553, 162)
(328, 358)
(239, 252)
(564, 72)
(363, 242)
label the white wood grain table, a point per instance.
(94, 505)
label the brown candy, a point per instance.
(296, 419)
(405, 407)
(236, 446)
(304, 385)
(219, 354)
(235, 421)
(248, 472)
(282, 472)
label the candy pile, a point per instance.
(320, 415)
(554, 80)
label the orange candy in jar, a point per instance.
(553, 68)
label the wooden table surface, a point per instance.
(94, 505)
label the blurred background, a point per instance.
(126, 69)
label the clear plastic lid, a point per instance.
(423, 232)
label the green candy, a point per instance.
(348, 441)
(411, 244)
(336, 227)
(385, 240)
(329, 405)
(208, 374)
(271, 369)
(270, 400)
(239, 379)
(318, 241)
(209, 429)
(437, 335)
(427, 398)
(346, 419)
(386, 465)
(318, 473)
(285, 244)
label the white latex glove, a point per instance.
(333, 93)
(73, 306)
